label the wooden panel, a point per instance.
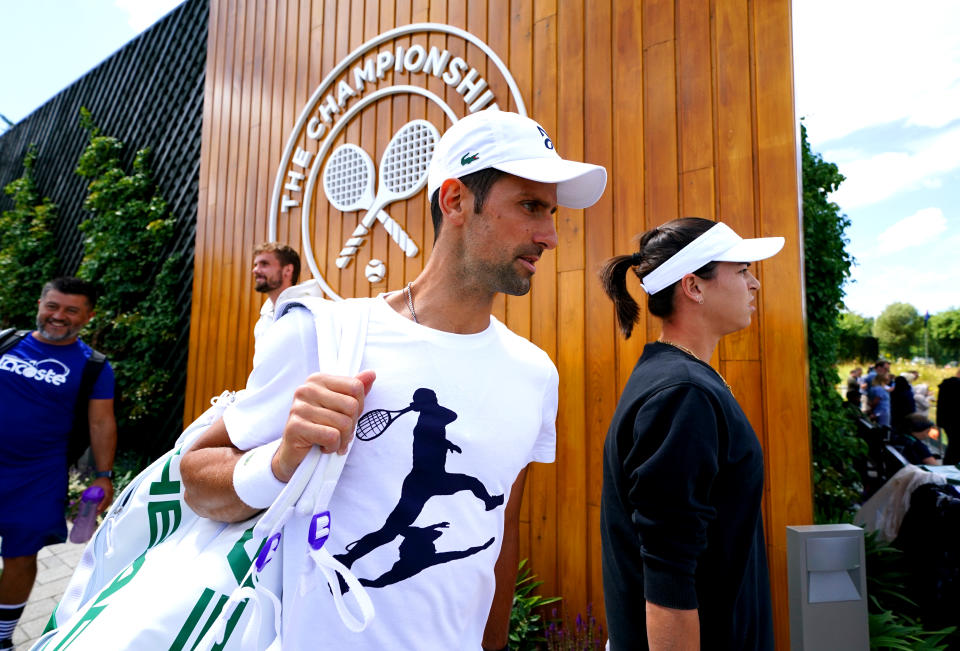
(544, 549)
(783, 335)
(571, 427)
(569, 132)
(698, 194)
(689, 104)
(629, 124)
(217, 342)
(661, 173)
(735, 188)
(203, 248)
(601, 383)
(694, 87)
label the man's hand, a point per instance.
(107, 485)
(324, 413)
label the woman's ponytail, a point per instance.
(613, 277)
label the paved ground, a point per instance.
(54, 566)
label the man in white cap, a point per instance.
(434, 503)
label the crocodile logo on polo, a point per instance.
(467, 158)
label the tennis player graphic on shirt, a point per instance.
(427, 478)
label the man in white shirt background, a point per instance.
(276, 270)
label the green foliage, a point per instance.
(827, 265)
(944, 329)
(885, 576)
(898, 328)
(28, 251)
(855, 324)
(855, 338)
(887, 631)
(893, 615)
(526, 620)
(124, 239)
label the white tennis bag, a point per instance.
(156, 575)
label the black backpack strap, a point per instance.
(10, 337)
(80, 436)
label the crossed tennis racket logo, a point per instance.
(348, 181)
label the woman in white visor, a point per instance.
(684, 563)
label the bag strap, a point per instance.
(10, 337)
(341, 330)
(80, 433)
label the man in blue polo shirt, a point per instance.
(39, 386)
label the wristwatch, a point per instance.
(103, 473)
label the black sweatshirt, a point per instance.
(680, 515)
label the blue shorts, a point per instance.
(32, 503)
(19, 540)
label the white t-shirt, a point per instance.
(307, 288)
(412, 504)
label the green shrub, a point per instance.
(526, 617)
(28, 250)
(895, 619)
(836, 447)
(137, 319)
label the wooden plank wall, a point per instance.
(688, 103)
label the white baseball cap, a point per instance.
(719, 243)
(517, 145)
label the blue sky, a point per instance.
(49, 44)
(878, 86)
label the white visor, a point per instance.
(717, 244)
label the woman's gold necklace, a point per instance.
(692, 354)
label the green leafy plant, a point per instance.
(137, 319)
(885, 576)
(526, 619)
(584, 635)
(827, 264)
(944, 330)
(895, 619)
(887, 631)
(28, 249)
(898, 328)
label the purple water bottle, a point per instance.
(86, 521)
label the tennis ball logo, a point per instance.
(375, 270)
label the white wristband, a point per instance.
(253, 477)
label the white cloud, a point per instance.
(870, 293)
(870, 180)
(922, 227)
(861, 63)
(919, 279)
(143, 13)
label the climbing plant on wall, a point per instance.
(137, 320)
(827, 265)
(28, 252)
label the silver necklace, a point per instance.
(408, 292)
